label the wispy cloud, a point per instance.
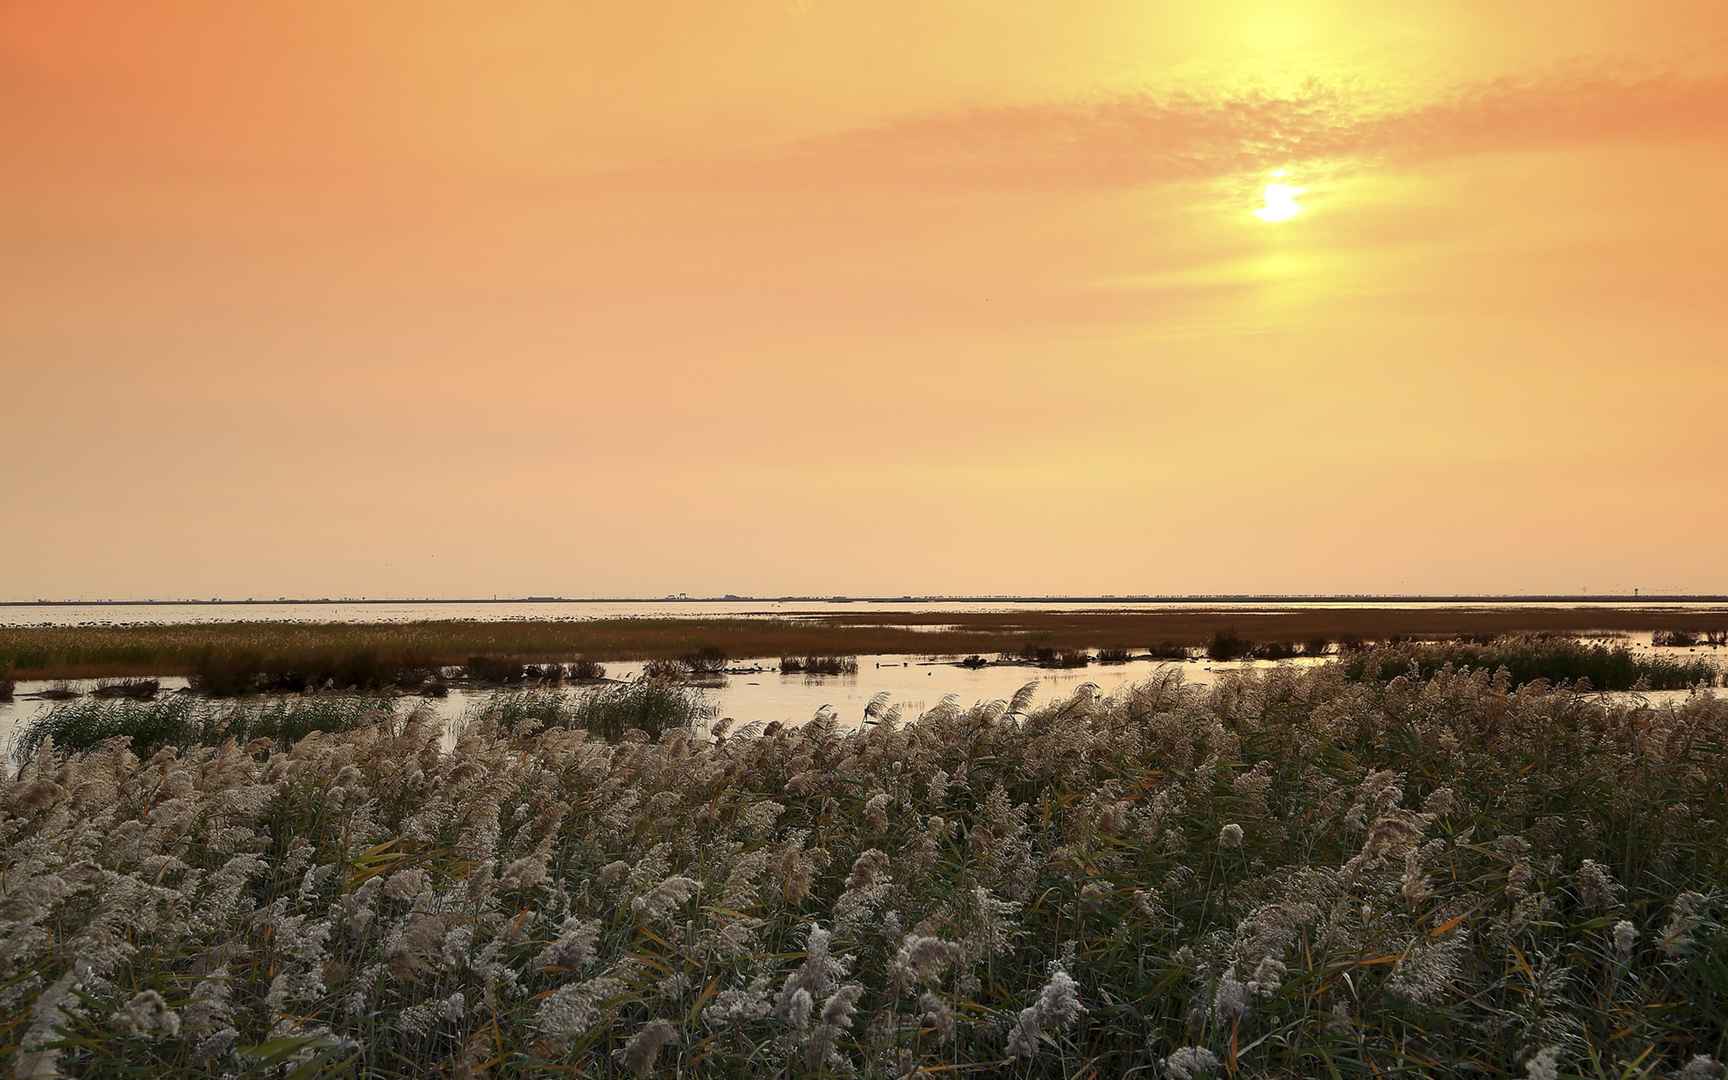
(1130, 141)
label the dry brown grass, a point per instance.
(90, 652)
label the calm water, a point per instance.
(913, 682)
(109, 614)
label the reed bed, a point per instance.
(183, 721)
(1050, 656)
(1289, 874)
(97, 651)
(1528, 657)
(818, 665)
(134, 689)
(708, 660)
(1689, 638)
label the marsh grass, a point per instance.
(1169, 650)
(1526, 658)
(1275, 650)
(1050, 656)
(818, 665)
(183, 721)
(584, 670)
(645, 705)
(236, 672)
(1687, 639)
(665, 670)
(135, 689)
(501, 670)
(708, 660)
(1288, 874)
(44, 652)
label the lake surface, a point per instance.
(578, 610)
(914, 683)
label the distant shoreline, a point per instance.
(180, 647)
(1222, 598)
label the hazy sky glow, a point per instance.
(435, 298)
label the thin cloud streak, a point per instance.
(1149, 139)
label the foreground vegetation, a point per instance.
(383, 654)
(1289, 874)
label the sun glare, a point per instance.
(1281, 204)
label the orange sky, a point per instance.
(441, 298)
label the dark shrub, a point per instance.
(1684, 639)
(135, 689)
(224, 673)
(1112, 656)
(359, 670)
(1167, 650)
(495, 669)
(708, 660)
(543, 674)
(1225, 645)
(665, 670)
(1316, 647)
(1037, 654)
(1274, 650)
(818, 665)
(587, 671)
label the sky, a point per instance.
(423, 298)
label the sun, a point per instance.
(1281, 204)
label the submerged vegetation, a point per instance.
(1288, 874)
(1528, 657)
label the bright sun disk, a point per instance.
(1281, 204)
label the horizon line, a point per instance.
(730, 598)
